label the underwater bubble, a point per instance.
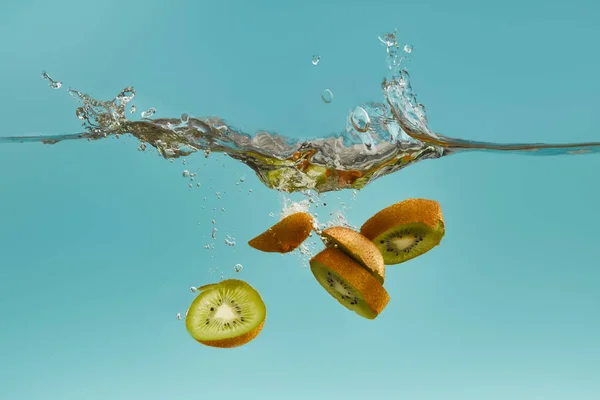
(185, 118)
(315, 59)
(193, 289)
(360, 119)
(185, 173)
(142, 147)
(327, 96)
(214, 233)
(148, 113)
(408, 48)
(238, 267)
(178, 316)
(229, 241)
(133, 109)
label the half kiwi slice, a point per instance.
(286, 235)
(227, 314)
(358, 247)
(406, 230)
(349, 283)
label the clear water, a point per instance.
(103, 242)
(379, 137)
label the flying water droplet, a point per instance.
(327, 96)
(178, 316)
(81, 113)
(193, 289)
(408, 48)
(238, 267)
(360, 119)
(148, 113)
(389, 39)
(185, 173)
(214, 233)
(315, 59)
(51, 82)
(133, 109)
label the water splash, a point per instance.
(378, 139)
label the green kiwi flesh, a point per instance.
(404, 242)
(341, 290)
(225, 311)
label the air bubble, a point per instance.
(142, 147)
(408, 48)
(238, 267)
(193, 289)
(133, 109)
(360, 119)
(327, 96)
(315, 59)
(178, 316)
(214, 233)
(185, 118)
(185, 173)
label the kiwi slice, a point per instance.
(227, 314)
(285, 236)
(358, 247)
(349, 283)
(406, 230)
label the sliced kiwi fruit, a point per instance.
(285, 236)
(406, 230)
(358, 247)
(227, 314)
(349, 283)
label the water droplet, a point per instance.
(133, 109)
(51, 82)
(327, 96)
(185, 118)
(214, 233)
(315, 59)
(238, 267)
(193, 289)
(213, 221)
(360, 119)
(142, 147)
(389, 39)
(408, 48)
(198, 184)
(148, 113)
(178, 316)
(185, 173)
(81, 113)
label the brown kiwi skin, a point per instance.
(372, 291)
(358, 247)
(235, 341)
(286, 235)
(405, 212)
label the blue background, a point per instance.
(99, 243)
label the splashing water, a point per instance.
(379, 138)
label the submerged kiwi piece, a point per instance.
(227, 314)
(286, 235)
(358, 247)
(349, 283)
(406, 230)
